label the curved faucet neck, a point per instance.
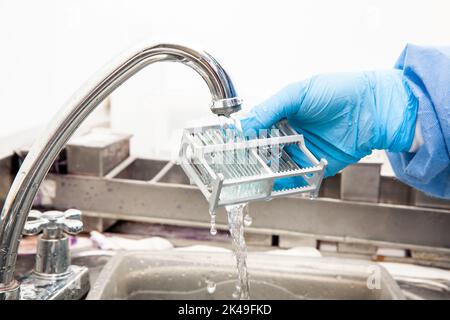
(45, 150)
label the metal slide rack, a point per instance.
(230, 169)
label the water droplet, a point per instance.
(210, 286)
(248, 220)
(237, 293)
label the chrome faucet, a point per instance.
(45, 150)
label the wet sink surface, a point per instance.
(184, 274)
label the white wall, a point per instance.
(49, 48)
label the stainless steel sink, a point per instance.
(183, 275)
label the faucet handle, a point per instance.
(72, 223)
(53, 222)
(35, 224)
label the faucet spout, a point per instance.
(45, 150)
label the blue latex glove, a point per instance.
(342, 116)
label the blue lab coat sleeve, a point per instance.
(427, 71)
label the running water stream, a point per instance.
(238, 219)
(236, 225)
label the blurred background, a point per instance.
(50, 48)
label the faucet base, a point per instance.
(73, 285)
(11, 292)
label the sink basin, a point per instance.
(181, 274)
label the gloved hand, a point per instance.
(342, 116)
